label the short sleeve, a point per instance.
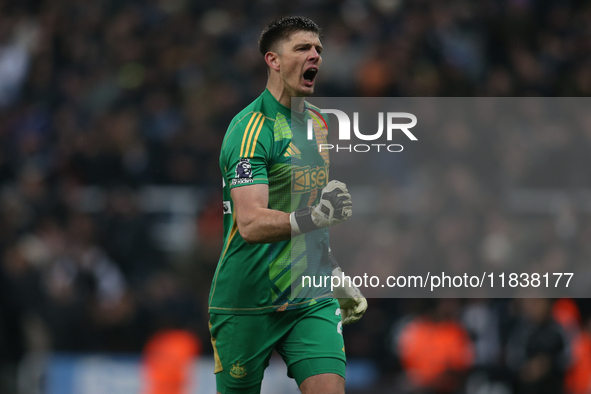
(245, 151)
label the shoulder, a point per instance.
(320, 119)
(311, 106)
(246, 130)
(252, 118)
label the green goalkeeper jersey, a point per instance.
(262, 146)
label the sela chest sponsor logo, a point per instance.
(306, 179)
(345, 131)
(243, 172)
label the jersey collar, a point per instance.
(278, 107)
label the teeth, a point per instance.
(310, 74)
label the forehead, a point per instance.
(302, 37)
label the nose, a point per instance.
(313, 55)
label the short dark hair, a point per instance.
(281, 28)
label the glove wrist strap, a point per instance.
(301, 221)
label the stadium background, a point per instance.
(111, 118)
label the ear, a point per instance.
(272, 60)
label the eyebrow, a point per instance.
(307, 44)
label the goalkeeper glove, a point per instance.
(335, 206)
(352, 303)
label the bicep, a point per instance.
(248, 200)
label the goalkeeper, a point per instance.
(253, 306)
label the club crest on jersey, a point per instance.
(243, 172)
(238, 371)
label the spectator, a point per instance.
(538, 350)
(578, 376)
(435, 350)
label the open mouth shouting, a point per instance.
(310, 76)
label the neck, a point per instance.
(283, 95)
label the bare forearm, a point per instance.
(265, 225)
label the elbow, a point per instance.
(248, 238)
(247, 234)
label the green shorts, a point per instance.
(309, 340)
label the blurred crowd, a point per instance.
(123, 94)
